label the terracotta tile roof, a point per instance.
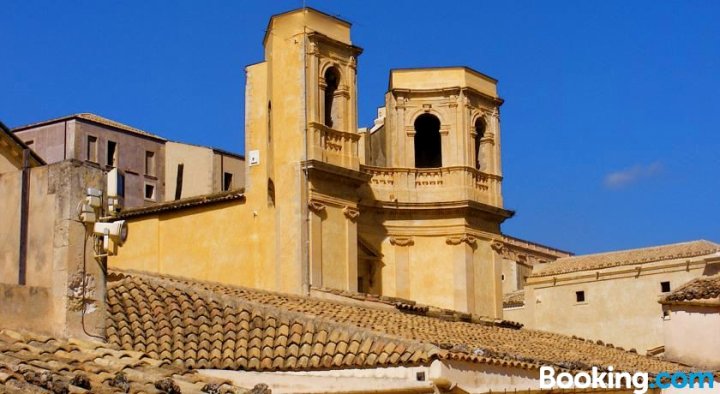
(705, 290)
(627, 257)
(196, 327)
(31, 363)
(94, 119)
(411, 306)
(514, 299)
(202, 324)
(184, 203)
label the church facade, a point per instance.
(409, 209)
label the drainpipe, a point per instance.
(24, 208)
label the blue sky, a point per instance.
(610, 128)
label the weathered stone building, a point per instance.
(611, 296)
(155, 169)
(49, 279)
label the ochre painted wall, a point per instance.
(197, 174)
(621, 307)
(692, 335)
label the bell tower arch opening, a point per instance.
(480, 126)
(428, 144)
(332, 104)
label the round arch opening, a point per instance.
(428, 144)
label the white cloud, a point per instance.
(628, 176)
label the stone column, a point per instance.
(352, 118)
(314, 84)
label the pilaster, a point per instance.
(402, 265)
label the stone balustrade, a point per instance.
(430, 185)
(333, 146)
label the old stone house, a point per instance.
(611, 296)
(155, 169)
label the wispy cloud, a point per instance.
(628, 176)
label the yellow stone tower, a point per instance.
(302, 124)
(433, 206)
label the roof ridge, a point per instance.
(611, 252)
(191, 281)
(617, 258)
(92, 117)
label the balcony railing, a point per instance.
(333, 146)
(428, 185)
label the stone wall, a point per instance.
(55, 294)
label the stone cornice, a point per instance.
(342, 173)
(450, 90)
(444, 207)
(319, 37)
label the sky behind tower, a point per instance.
(610, 135)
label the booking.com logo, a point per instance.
(608, 379)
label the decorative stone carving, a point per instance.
(498, 247)
(513, 253)
(313, 48)
(351, 213)
(457, 240)
(402, 241)
(353, 63)
(316, 206)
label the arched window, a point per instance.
(332, 81)
(479, 133)
(428, 152)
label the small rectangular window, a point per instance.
(227, 181)
(502, 277)
(179, 181)
(29, 143)
(111, 154)
(665, 287)
(580, 296)
(149, 192)
(150, 163)
(91, 154)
